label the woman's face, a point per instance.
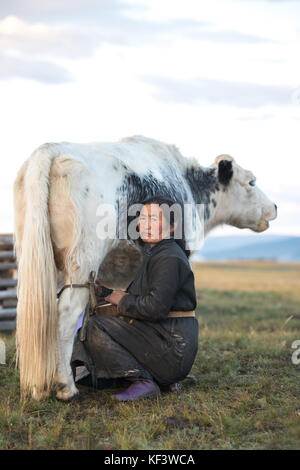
(152, 224)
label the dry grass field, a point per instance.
(246, 393)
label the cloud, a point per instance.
(74, 29)
(223, 36)
(110, 21)
(65, 11)
(44, 40)
(73, 42)
(219, 92)
(43, 71)
(260, 117)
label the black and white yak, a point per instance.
(59, 194)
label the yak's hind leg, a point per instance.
(77, 251)
(72, 303)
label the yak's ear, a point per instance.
(225, 171)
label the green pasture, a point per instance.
(246, 389)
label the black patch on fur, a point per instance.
(214, 202)
(137, 188)
(225, 172)
(203, 184)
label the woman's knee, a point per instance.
(94, 334)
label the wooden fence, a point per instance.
(8, 284)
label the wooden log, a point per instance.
(7, 266)
(6, 242)
(5, 282)
(7, 255)
(8, 314)
(9, 303)
(8, 294)
(9, 274)
(7, 325)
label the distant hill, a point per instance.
(265, 247)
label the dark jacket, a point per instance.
(141, 341)
(163, 283)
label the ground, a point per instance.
(246, 394)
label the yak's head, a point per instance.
(244, 203)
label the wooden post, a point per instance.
(8, 283)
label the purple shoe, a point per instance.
(140, 388)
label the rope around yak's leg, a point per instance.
(89, 311)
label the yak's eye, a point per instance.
(252, 183)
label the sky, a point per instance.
(210, 76)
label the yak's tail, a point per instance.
(37, 316)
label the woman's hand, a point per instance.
(115, 296)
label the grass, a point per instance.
(246, 394)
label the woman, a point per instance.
(145, 343)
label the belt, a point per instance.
(179, 314)
(111, 309)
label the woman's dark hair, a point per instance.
(171, 216)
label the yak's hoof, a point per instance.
(76, 398)
(66, 393)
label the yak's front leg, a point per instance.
(72, 303)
